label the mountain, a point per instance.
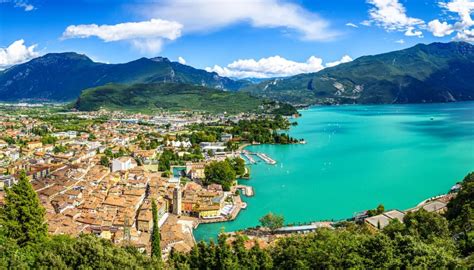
(62, 76)
(172, 96)
(438, 72)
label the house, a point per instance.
(196, 170)
(209, 211)
(122, 164)
(34, 145)
(432, 206)
(382, 220)
(6, 181)
(225, 137)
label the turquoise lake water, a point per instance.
(357, 157)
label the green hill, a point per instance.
(62, 76)
(438, 72)
(168, 96)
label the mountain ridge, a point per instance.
(436, 72)
(62, 76)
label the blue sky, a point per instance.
(238, 38)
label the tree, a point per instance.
(272, 221)
(22, 216)
(426, 225)
(377, 211)
(104, 161)
(460, 215)
(238, 164)
(219, 172)
(155, 236)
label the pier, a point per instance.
(262, 156)
(247, 190)
(249, 158)
(266, 158)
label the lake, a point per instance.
(357, 157)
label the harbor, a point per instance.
(248, 155)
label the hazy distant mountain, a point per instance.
(438, 72)
(62, 76)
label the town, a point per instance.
(98, 172)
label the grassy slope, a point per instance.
(150, 97)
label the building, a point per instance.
(212, 147)
(382, 220)
(6, 181)
(177, 201)
(34, 145)
(225, 137)
(122, 164)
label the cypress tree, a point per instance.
(22, 216)
(155, 236)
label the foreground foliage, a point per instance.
(424, 240)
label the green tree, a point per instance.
(22, 216)
(104, 161)
(155, 236)
(219, 172)
(426, 225)
(59, 149)
(238, 164)
(460, 215)
(377, 211)
(272, 221)
(48, 139)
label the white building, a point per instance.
(213, 147)
(122, 164)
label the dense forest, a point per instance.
(424, 240)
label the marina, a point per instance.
(248, 155)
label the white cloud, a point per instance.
(391, 15)
(411, 32)
(352, 25)
(147, 45)
(466, 35)
(16, 53)
(345, 59)
(208, 15)
(181, 60)
(400, 41)
(24, 4)
(274, 66)
(147, 36)
(463, 8)
(440, 29)
(462, 26)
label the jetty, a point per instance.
(249, 157)
(266, 158)
(246, 190)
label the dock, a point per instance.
(262, 156)
(266, 158)
(246, 190)
(249, 157)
